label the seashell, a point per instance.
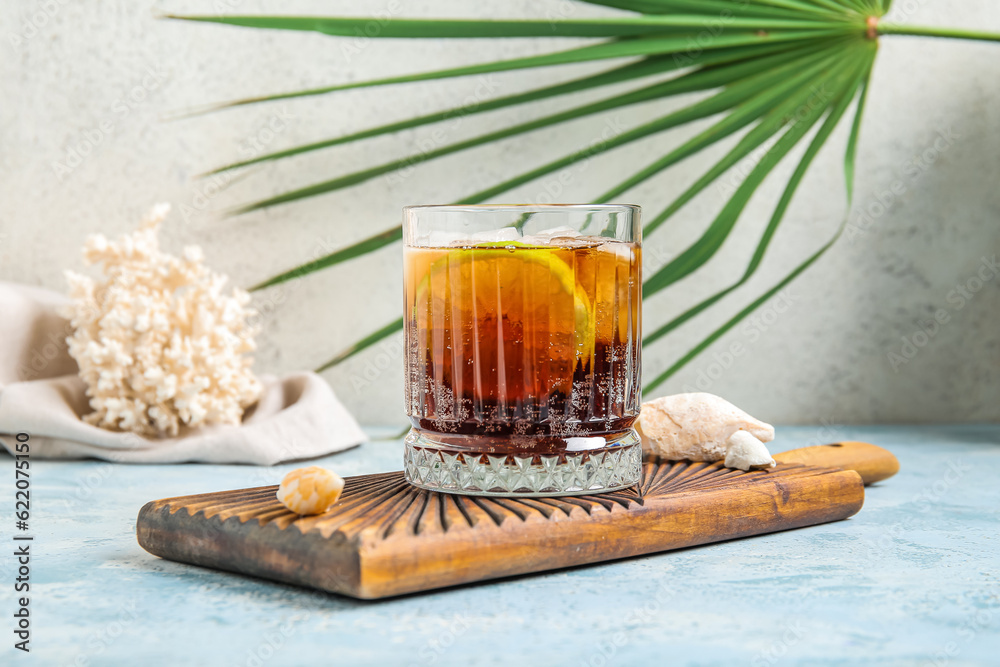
(311, 490)
(701, 427)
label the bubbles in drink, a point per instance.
(523, 335)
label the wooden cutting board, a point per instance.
(385, 537)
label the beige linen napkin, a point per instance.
(297, 417)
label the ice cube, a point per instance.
(497, 235)
(557, 232)
(439, 239)
(566, 237)
(623, 250)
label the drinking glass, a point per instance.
(522, 348)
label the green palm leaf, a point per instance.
(762, 104)
(717, 7)
(763, 298)
(623, 48)
(703, 249)
(646, 67)
(364, 343)
(739, 76)
(757, 75)
(639, 26)
(836, 111)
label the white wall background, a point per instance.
(110, 69)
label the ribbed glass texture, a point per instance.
(522, 329)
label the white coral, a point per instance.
(157, 342)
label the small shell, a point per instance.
(694, 427)
(746, 452)
(311, 490)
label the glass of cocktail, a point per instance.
(522, 348)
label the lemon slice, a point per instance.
(485, 265)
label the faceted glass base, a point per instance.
(616, 465)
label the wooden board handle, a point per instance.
(873, 463)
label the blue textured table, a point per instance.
(914, 578)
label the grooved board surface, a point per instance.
(385, 537)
